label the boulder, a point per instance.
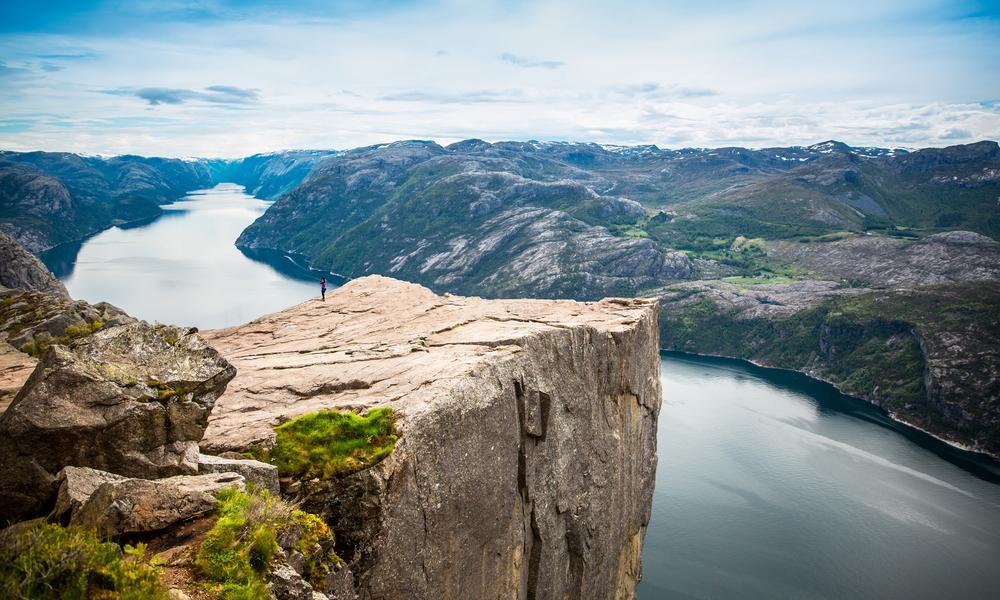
(76, 486)
(140, 505)
(260, 474)
(132, 400)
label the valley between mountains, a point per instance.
(875, 269)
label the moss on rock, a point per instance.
(332, 443)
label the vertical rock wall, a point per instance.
(527, 460)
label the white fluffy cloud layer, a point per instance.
(918, 73)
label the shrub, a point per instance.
(331, 443)
(238, 550)
(39, 560)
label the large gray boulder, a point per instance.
(132, 400)
(139, 505)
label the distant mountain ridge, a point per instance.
(409, 208)
(50, 198)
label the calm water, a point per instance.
(183, 268)
(770, 485)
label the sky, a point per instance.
(216, 78)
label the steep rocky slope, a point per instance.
(49, 198)
(927, 355)
(22, 270)
(409, 208)
(528, 434)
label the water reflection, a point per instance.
(773, 485)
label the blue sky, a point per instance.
(217, 78)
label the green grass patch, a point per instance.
(238, 551)
(331, 443)
(43, 561)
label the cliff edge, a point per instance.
(22, 270)
(527, 455)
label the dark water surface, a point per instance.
(182, 267)
(771, 485)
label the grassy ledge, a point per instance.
(331, 443)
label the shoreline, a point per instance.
(892, 416)
(117, 223)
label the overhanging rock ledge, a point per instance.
(528, 451)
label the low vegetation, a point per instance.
(43, 561)
(332, 443)
(37, 345)
(237, 552)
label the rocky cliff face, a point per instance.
(20, 269)
(526, 463)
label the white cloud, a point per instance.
(777, 73)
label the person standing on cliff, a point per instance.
(322, 288)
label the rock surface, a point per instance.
(260, 474)
(888, 262)
(124, 506)
(15, 368)
(133, 400)
(20, 269)
(32, 321)
(76, 486)
(528, 433)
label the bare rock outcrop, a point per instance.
(882, 261)
(76, 486)
(15, 368)
(528, 451)
(20, 269)
(132, 400)
(260, 474)
(140, 505)
(33, 321)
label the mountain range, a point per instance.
(875, 269)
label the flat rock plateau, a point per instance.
(526, 462)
